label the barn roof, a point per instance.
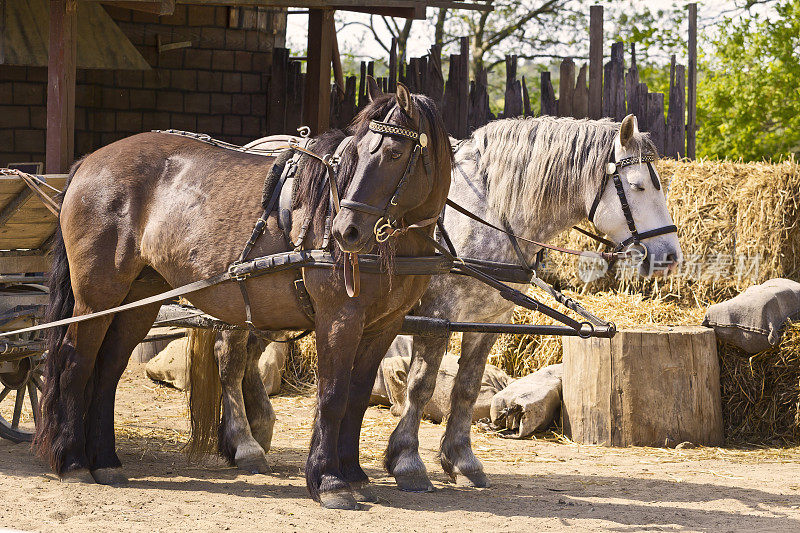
(101, 43)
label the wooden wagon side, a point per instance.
(27, 227)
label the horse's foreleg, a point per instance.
(402, 458)
(368, 358)
(260, 414)
(456, 453)
(236, 443)
(338, 336)
(125, 332)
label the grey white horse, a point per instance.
(541, 176)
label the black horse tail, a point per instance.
(61, 305)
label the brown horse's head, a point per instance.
(401, 172)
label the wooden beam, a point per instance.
(316, 107)
(14, 205)
(159, 7)
(691, 122)
(336, 59)
(60, 143)
(595, 62)
(24, 261)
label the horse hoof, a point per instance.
(110, 476)
(339, 499)
(78, 475)
(414, 483)
(254, 464)
(476, 479)
(362, 492)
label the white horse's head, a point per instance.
(648, 205)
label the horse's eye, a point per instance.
(396, 154)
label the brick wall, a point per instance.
(216, 86)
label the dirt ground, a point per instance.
(537, 484)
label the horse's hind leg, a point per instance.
(260, 414)
(368, 359)
(402, 458)
(125, 332)
(456, 453)
(236, 442)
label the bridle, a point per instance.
(634, 241)
(389, 219)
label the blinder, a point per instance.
(612, 169)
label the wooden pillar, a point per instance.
(691, 122)
(595, 62)
(316, 106)
(60, 144)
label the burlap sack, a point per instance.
(394, 375)
(528, 404)
(753, 321)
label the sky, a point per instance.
(355, 38)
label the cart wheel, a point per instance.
(20, 385)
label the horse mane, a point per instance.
(312, 188)
(532, 165)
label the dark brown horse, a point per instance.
(155, 211)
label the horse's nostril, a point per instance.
(351, 235)
(672, 259)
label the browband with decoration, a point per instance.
(398, 131)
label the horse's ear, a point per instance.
(627, 129)
(405, 101)
(373, 91)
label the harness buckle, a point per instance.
(237, 276)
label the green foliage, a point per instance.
(749, 90)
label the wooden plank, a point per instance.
(24, 261)
(675, 138)
(479, 113)
(548, 96)
(512, 106)
(614, 84)
(295, 101)
(691, 101)
(463, 89)
(450, 107)
(336, 59)
(526, 100)
(316, 105)
(393, 67)
(580, 97)
(566, 87)
(595, 62)
(655, 120)
(60, 140)
(434, 78)
(276, 101)
(641, 102)
(12, 207)
(159, 7)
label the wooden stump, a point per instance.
(650, 386)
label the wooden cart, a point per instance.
(26, 232)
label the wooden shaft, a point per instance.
(60, 141)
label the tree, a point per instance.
(527, 28)
(749, 88)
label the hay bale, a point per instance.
(761, 392)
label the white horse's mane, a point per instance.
(533, 165)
